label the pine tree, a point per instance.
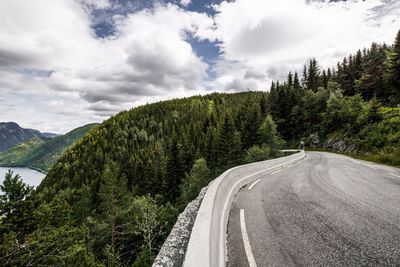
(392, 75)
(227, 140)
(174, 172)
(296, 82)
(304, 79)
(112, 192)
(371, 82)
(290, 79)
(198, 178)
(313, 75)
(267, 133)
(248, 120)
(325, 79)
(210, 145)
(15, 209)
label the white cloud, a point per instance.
(55, 74)
(149, 58)
(273, 37)
(185, 2)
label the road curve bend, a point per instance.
(326, 210)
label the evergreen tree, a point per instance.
(290, 79)
(313, 75)
(267, 133)
(210, 145)
(296, 82)
(325, 79)
(247, 121)
(371, 82)
(304, 79)
(392, 75)
(174, 172)
(227, 142)
(112, 193)
(15, 205)
(198, 178)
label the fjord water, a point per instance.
(29, 176)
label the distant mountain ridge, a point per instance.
(12, 134)
(41, 152)
(50, 135)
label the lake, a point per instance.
(29, 176)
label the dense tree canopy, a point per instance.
(139, 168)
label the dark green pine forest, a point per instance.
(113, 197)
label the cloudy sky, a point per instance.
(65, 63)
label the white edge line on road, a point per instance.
(398, 176)
(365, 164)
(276, 171)
(253, 184)
(371, 166)
(225, 207)
(246, 242)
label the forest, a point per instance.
(40, 152)
(113, 197)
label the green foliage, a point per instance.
(248, 120)
(267, 134)
(146, 157)
(14, 155)
(63, 246)
(198, 178)
(371, 82)
(256, 153)
(228, 146)
(392, 75)
(346, 103)
(174, 170)
(15, 205)
(41, 153)
(347, 114)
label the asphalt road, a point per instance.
(326, 210)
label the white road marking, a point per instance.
(398, 176)
(371, 166)
(247, 247)
(276, 172)
(253, 184)
(222, 225)
(364, 164)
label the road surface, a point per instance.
(326, 210)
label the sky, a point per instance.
(66, 63)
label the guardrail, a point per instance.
(207, 243)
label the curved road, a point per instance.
(326, 210)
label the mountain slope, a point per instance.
(159, 155)
(12, 134)
(42, 153)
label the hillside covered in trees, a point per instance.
(40, 152)
(113, 197)
(123, 184)
(12, 134)
(354, 107)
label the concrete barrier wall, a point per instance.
(207, 243)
